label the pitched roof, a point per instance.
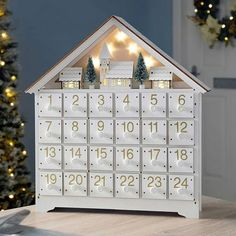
(160, 73)
(105, 54)
(120, 70)
(105, 28)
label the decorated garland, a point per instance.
(213, 29)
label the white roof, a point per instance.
(111, 23)
(160, 73)
(120, 70)
(71, 74)
(105, 53)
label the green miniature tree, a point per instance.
(90, 74)
(140, 73)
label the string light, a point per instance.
(202, 3)
(2, 209)
(210, 5)
(11, 196)
(11, 174)
(23, 189)
(9, 92)
(223, 26)
(24, 152)
(133, 48)
(149, 61)
(231, 17)
(4, 35)
(121, 36)
(2, 63)
(208, 11)
(11, 143)
(226, 38)
(2, 12)
(12, 104)
(195, 10)
(96, 62)
(13, 77)
(9, 170)
(22, 124)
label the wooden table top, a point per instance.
(218, 218)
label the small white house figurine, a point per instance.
(70, 77)
(114, 73)
(161, 77)
(117, 146)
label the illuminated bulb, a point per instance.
(22, 124)
(2, 50)
(210, 6)
(231, 17)
(121, 36)
(24, 152)
(96, 62)
(11, 143)
(133, 48)
(196, 10)
(12, 104)
(11, 174)
(2, 63)
(2, 12)
(10, 170)
(23, 189)
(223, 26)
(148, 61)
(13, 77)
(208, 11)
(202, 3)
(226, 38)
(2, 209)
(11, 196)
(4, 35)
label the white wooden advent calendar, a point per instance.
(118, 145)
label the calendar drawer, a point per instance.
(127, 185)
(50, 183)
(75, 157)
(127, 104)
(101, 185)
(75, 183)
(49, 131)
(181, 187)
(75, 105)
(153, 105)
(154, 186)
(101, 158)
(127, 158)
(50, 105)
(101, 131)
(49, 157)
(101, 104)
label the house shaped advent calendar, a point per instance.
(105, 141)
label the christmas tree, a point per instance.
(90, 71)
(15, 185)
(140, 73)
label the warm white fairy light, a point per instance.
(11, 196)
(202, 3)
(195, 10)
(210, 5)
(13, 77)
(226, 38)
(223, 26)
(96, 62)
(231, 17)
(121, 36)
(2, 63)
(22, 124)
(111, 48)
(133, 48)
(24, 152)
(12, 104)
(4, 35)
(149, 62)
(208, 11)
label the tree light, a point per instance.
(2, 63)
(196, 10)
(12, 104)
(23, 189)
(226, 38)
(13, 77)
(231, 17)
(121, 36)
(202, 3)
(11, 143)
(223, 26)
(11, 196)
(22, 124)
(2, 12)
(133, 48)
(11, 174)
(24, 152)
(149, 61)
(4, 35)
(96, 62)
(210, 5)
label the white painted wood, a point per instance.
(219, 106)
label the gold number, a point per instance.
(154, 153)
(49, 124)
(181, 99)
(50, 151)
(100, 125)
(128, 126)
(153, 127)
(181, 126)
(76, 153)
(181, 154)
(127, 180)
(75, 179)
(128, 153)
(154, 99)
(75, 100)
(101, 153)
(154, 181)
(51, 178)
(100, 180)
(75, 126)
(179, 184)
(126, 99)
(101, 100)
(50, 100)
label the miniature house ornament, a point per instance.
(118, 146)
